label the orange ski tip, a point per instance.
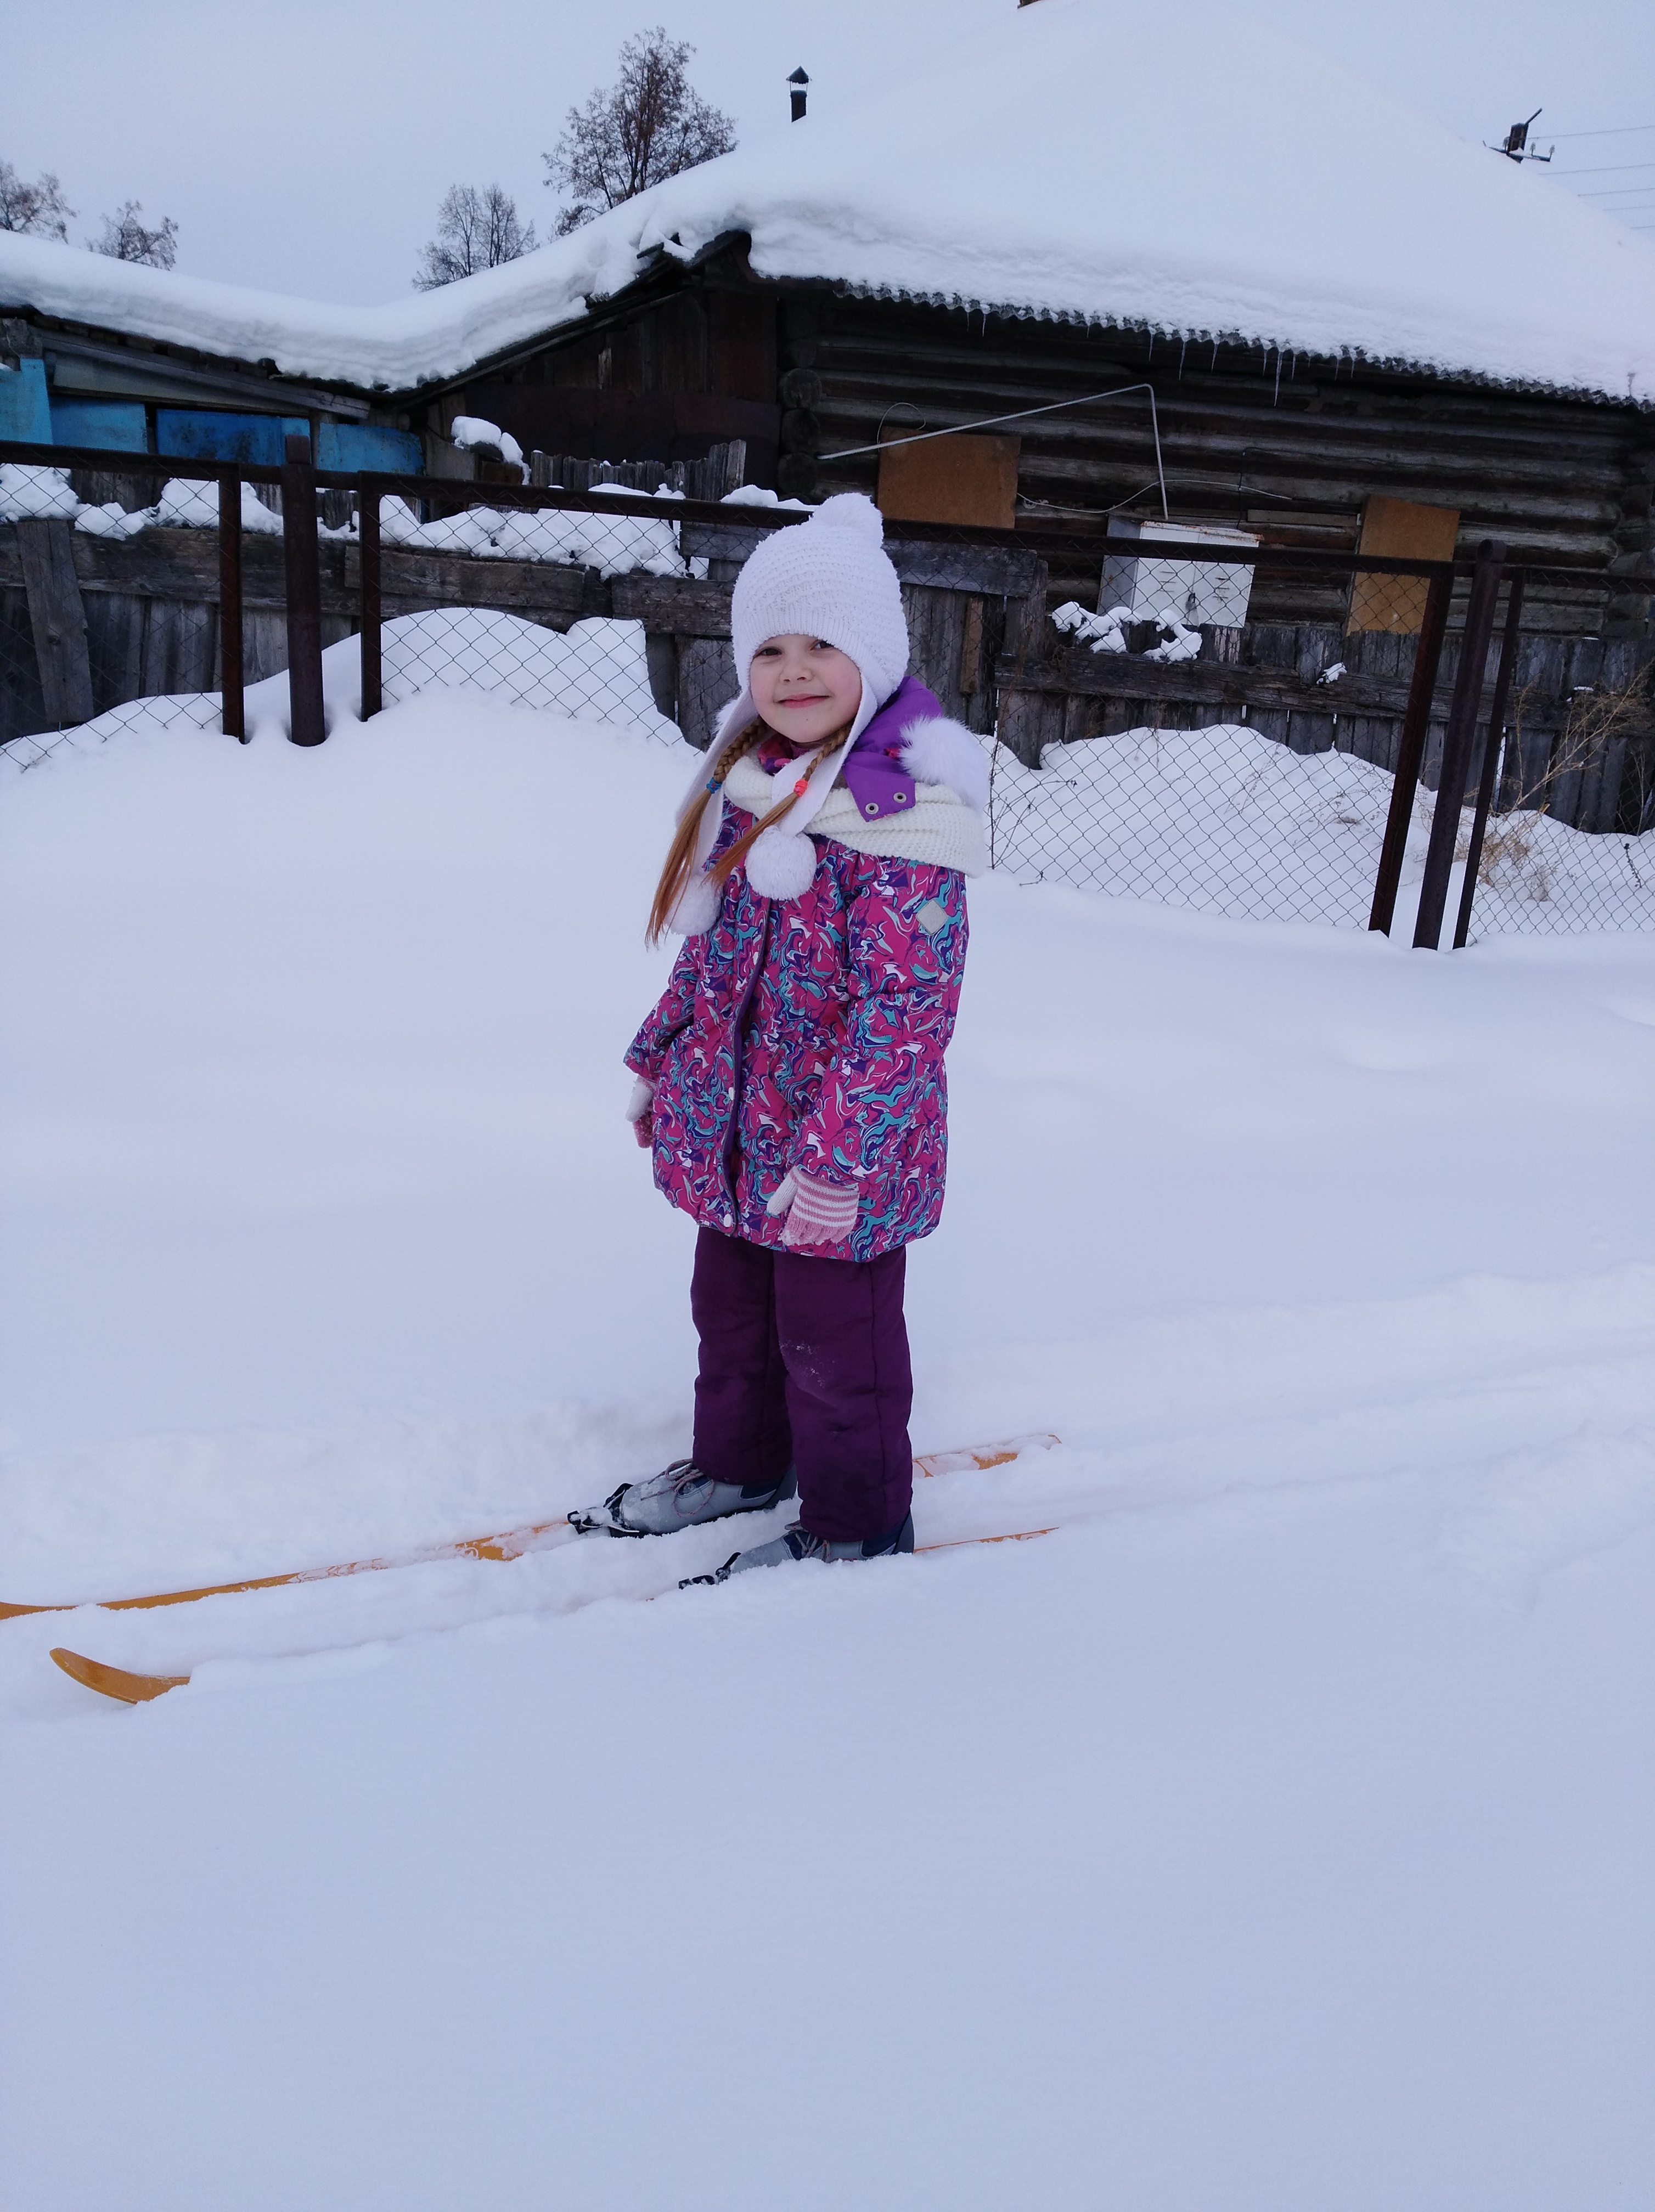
(1012, 1536)
(978, 1456)
(115, 1681)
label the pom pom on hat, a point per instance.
(831, 578)
(851, 510)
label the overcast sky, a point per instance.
(304, 148)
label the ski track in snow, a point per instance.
(1275, 1832)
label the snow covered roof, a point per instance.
(1190, 170)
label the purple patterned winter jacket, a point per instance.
(810, 1033)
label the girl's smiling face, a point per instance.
(805, 688)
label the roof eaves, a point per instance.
(1356, 356)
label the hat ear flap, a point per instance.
(697, 907)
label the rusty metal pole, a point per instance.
(1457, 744)
(1491, 744)
(307, 722)
(233, 712)
(368, 530)
(1410, 750)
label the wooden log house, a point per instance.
(707, 315)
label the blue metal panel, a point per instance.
(116, 425)
(200, 434)
(349, 446)
(25, 410)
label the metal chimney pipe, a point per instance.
(799, 92)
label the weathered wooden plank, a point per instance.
(551, 592)
(1029, 720)
(180, 646)
(1270, 685)
(1006, 570)
(660, 652)
(45, 549)
(685, 606)
(183, 564)
(265, 642)
(22, 708)
(114, 636)
(706, 686)
(936, 633)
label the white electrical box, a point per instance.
(1148, 583)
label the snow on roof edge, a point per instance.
(1031, 183)
(1400, 364)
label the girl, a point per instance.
(790, 1082)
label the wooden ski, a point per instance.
(139, 1689)
(115, 1681)
(537, 1536)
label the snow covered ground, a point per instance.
(1230, 821)
(1276, 1834)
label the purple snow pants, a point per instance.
(806, 1360)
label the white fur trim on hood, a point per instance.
(936, 750)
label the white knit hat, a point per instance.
(829, 578)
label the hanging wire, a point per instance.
(991, 422)
(1616, 131)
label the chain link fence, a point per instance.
(1233, 726)
(1569, 837)
(1174, 746)
(1222, 730)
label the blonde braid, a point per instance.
(680, 854)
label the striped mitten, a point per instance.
(816, 1213)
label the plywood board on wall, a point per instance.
(1401, 530)
(964, 479)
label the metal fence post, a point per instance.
(1491, 745)
(308, 723)
(1410, 750)
(232, 713)
(367, 533)
(1457, 744)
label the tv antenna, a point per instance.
(1516, 146)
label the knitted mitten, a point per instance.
(638, 1113)
(816, 1213)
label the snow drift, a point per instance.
(1275, 1833)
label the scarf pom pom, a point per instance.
(782, 864)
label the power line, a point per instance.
(1610, 169)
(1620, 130)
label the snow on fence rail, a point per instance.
(1156, 744)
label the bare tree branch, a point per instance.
(650, 124)
(125, 237)
(40, 208)
(475, 230)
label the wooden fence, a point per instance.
(1271, 677)
(88, 623)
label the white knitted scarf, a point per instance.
(939, 829)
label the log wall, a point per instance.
(1290, 446)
